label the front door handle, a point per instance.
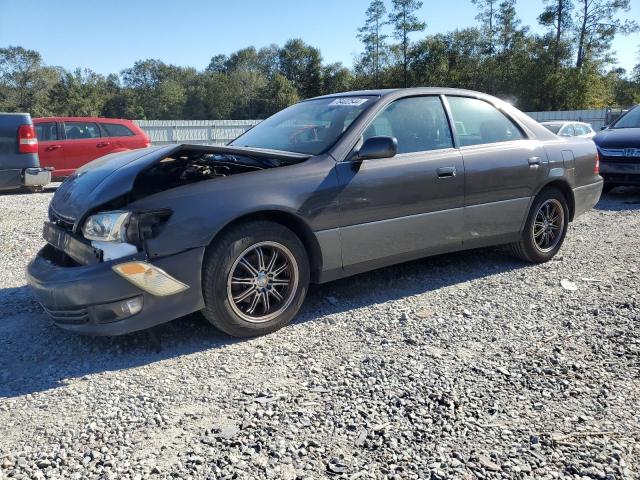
(534, 162)
(446, 172)
(103, 144)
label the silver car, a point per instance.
(570, 129)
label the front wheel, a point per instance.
(545, 229)
(255, 279)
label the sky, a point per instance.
(115, 33)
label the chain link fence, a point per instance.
(211, 132)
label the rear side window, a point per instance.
(418, 123)
(568, 131)
(553, 127)
(81, 130)
(117, 130)
(482, 122)
(47, 132)
(581, 129)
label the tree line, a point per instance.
(567, 64)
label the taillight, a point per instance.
(596, 169)
(27, 140)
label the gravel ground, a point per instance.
(462, 366)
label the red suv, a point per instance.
(67, 143)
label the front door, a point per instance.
(503, 168)
(409, 205)
(50, 146)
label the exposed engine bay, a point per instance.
(184, 168)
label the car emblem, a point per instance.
(629, 152)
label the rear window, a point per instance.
(47, 132)
(81, 130)
(117, 130)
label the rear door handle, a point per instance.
(447, 172)
(534, 161)
(103, 144)
(51, 148)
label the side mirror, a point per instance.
(377, 147)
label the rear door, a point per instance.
(409, 205)
(503, 169)
(83, 144)
(50, 146)
(119, 136)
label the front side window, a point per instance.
(418, 123)
(482, 122)
(81, 130)
(116, 130)
(47, 132)
(308, 127)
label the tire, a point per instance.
(532, 247)
(33, 189)
(253, 244)
(607, 187)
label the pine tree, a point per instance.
(370, 34)
(405, 22)
(598, 24)
(557, 16)
(488, 9)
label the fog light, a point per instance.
(132, 306)
(115, 311)
(150, 279)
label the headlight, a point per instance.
(107, 226)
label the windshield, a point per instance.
(555, 127)
(630, 120)
(308, 127)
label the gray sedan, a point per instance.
(324, 189)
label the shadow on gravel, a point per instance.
(36, 356)
(620, 199)
(50, 188)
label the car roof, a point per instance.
(81, 119)
(407, 92)
(562, 122)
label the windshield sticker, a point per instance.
(348, 102)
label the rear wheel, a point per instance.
(255, 279)
(545, 229)
(607, 187)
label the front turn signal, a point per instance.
(150, 278)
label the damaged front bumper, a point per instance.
(94, 300)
